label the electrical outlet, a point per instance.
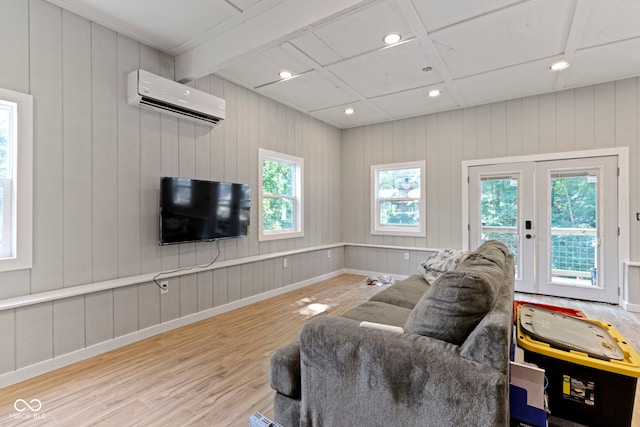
(406, 256)
(284, 263)
(329, 254)
(164, 287)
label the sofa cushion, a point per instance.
(404, 293)
(454, 305)
(491, 250)
(440, 262)
(379, 312)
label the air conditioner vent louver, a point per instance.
(157, 93)
(154, 103)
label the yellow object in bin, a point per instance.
(628, 366)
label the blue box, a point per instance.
(523, 415)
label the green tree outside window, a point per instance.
(278, 195)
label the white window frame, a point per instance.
(18, 207)
(298, 203)
(6, 182)
(398, 230)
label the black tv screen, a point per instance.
(193, 210)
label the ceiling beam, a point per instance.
(580, 20)
(269, 28)
(418, 28)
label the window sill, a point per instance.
(265, 237)
(398, 232)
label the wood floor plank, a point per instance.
(214, 372)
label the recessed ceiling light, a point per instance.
(559, 66)
(392, 38)
(286, 74)
(349, 111)
(435, 92)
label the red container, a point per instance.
(564, 310)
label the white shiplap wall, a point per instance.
(593, 117)
(98, 164)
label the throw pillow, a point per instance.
(453, 306)
(440, 262)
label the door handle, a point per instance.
(528, 236)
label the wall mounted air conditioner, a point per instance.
(157, 93)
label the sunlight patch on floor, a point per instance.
(313, 309)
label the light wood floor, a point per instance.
(211, 373)
(214, 372)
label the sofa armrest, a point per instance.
(359, 376)
(490, 341)
(285, 370)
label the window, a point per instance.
(398, 199)
(7, 111)
(16, 158)
(280, 196)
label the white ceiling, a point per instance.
(478, 51)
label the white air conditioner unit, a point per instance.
(157, 93)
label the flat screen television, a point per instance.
(194, 210)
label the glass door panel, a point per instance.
(573, 199)
(498, 211)
(578, 247)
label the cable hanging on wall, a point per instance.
(177, 270)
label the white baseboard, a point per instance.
(631, 307)
(46, 366)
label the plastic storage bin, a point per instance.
(564, 310)
(585, 389)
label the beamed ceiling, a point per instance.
(474, 52)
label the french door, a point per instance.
(558, 217)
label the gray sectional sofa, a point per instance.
(449, 366)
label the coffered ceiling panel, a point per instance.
(311, 91)
(479, 51)
(363, 30)
(316, 49)
(244, 4)
(611, 21)
(264, 67)
(613, 63)
(364, 113)
(438, 14)
(521, 33)
(388, 70)
(406, 104)
(509, 82)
